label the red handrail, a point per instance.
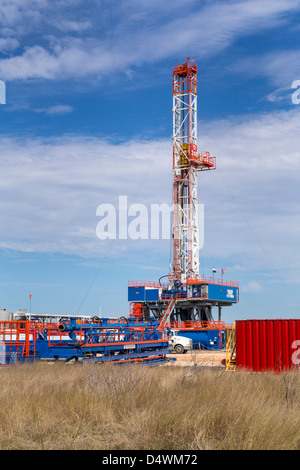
(203, 280)
(197, 325)
(211, 280)
(144, 284)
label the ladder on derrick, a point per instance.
(167, 313)
(231, 350)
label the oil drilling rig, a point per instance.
(186, 296)
(183, 304)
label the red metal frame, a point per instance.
(187, 73)
(18, 334)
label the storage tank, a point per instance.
(5, 315)
(268, 345)
(204, 338)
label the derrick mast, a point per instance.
(186, 300)
(186, 164)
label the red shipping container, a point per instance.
(268, 345)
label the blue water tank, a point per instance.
(205, 339)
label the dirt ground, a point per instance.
(203, 358)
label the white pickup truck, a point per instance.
(179, 344)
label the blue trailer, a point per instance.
(100, 341)
(207, 339)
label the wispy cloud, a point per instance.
(50, 190)
(280, 67)
(59, 109)
(59, 183)
(129, 36)
(252, 286)
(8, 44)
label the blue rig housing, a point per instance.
(192, 314)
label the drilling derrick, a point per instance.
(186, 164)
(186, 301)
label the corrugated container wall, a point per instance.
(272, 345)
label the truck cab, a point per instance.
(179, 344)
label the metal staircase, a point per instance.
(165, 318)
(231, 350)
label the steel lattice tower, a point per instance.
(186, 164)
(186, 301)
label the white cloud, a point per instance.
(50, 190)
(129, 37)
(59, 109)
(252, 286)
(77, 26)
(36, 62)
(281, 68)
(252, 200)
(8, 44)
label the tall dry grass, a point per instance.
(58, 406)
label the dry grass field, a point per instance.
(194, 405)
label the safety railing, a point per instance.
(211, 280)
(183, 295)
(203, 280)
(145, 284)
(99, 336)
(17, 339)
(196, 325)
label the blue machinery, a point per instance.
(102, 341)
(186, 307)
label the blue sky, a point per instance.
(88, 118)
